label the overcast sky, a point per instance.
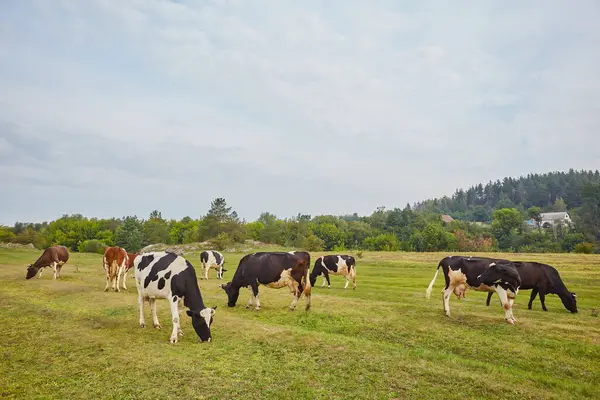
(118, 107)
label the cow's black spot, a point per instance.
(161, 283)
(168, 275)
(146, 260)
(217, 257)
(162, 264)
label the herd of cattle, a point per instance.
(166, 275)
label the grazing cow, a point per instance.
(335, 265)
(114, 262)
(274, 270)
(543, 279)
(54, 256)
(165, 275)
(505, 280)
(212, 259)
(462, 273)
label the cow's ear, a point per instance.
(213, 309)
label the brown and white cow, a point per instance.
(114, 261)
(54, 256)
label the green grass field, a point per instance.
(67, 339)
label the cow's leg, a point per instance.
(295, 292)
(58, 267)
(141, 303)
(543, 300)
(107, 281)
(489, 296)
(254, 287)
(511, 301)
(125, 278)
(353, 274)
(202, 267)
(119, 272)
(152, 302)
(506, 304)
(54, 265)
(41, 270)
(446, 293)
(534, 293)
(220, 272)
(251, 301)
(175, 319)
(347, 276)
(326, 278)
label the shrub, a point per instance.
(92, 246)
(584, 248)
(222, 241)
(312, 243)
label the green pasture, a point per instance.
(68, 339)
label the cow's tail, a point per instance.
(306, 278)
(113, 268)
(430, 287)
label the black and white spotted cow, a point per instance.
(271, 269)
(334, 265)
(164, 275)
(212, 259)
(462, 273)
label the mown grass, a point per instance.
(69, 339)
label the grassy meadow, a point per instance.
(68, 339)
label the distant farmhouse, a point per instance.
(551, 219)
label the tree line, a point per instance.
(487, 218)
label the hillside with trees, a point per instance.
(487, 217)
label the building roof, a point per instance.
(447, 218)
(551, 216)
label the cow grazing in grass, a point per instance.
(272, 269)
(114, 262)
(164, 275)
(334, 265)
(212, 259)
(54, 256)
(542, 279)
(462, 273)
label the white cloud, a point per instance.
(388, 103)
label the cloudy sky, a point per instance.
(118, 107)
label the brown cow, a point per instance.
(130, 258)
(54, 256)
(115, 261)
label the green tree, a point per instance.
(506, 221)
(130, 235)
(254, 229)
(536, 214)
(330, 235)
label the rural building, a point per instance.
(549, 220)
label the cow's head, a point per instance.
(501, 272)
(232, 294)
(31, 271)
(312, 279)
(570, 301)
(201, 320)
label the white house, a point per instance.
(549, 220)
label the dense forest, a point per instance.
(487, 217)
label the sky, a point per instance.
(111, 108)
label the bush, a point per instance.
(92, 246)
(312, 243)
(585, 248)
(222, 241)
